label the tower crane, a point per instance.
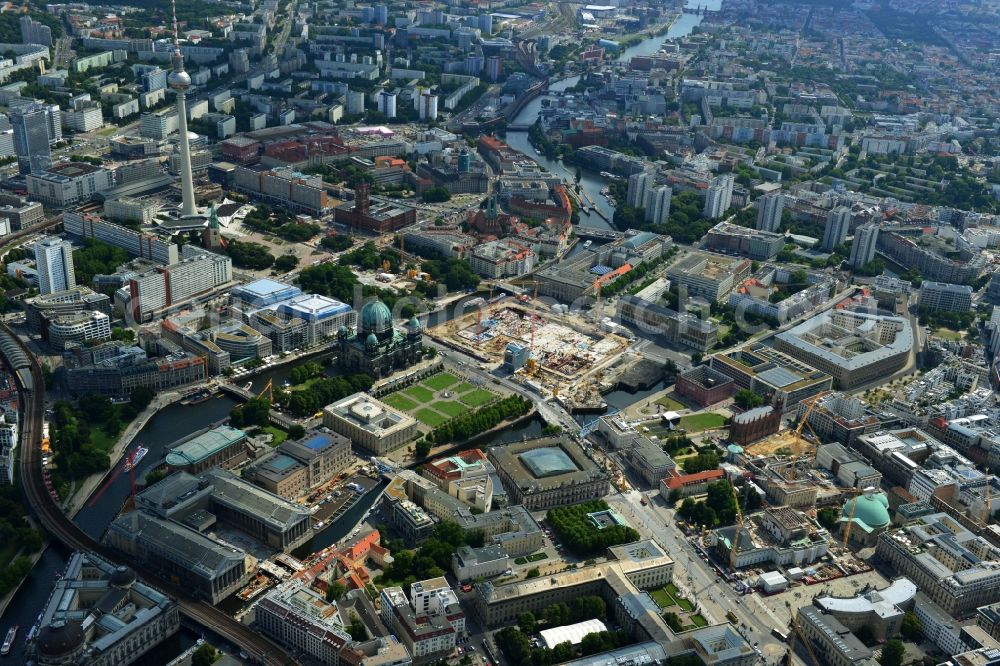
(857, 493)
(130, 462)
(269, 390)
(797, 633)
(734, 547)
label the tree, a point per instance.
(436, 194)
(423, 448)
(336, 591)
(526, 622)
(828, 517)
(296, 432)
(748, 399)
(892, 653)
(357, 628)
(911, 627)
(285, 263)
(205, 655)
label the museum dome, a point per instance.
(375, 318)
(371, 341)
(871, 508)
(122, 576)
(60, 639)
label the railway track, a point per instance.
(64, 530)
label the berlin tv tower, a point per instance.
(180, 81)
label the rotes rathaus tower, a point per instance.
(180, 81)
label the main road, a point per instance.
(60, 527)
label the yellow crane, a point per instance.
(269, 390)
(857, 493)
(805, 418)
(797, 633)
(735, 545)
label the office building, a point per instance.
(934, 257)
(115, 370)
(719, 196)
(32, 126)
(838, 223)
(101, 615)
(20, 213)
(779, 377)
(428, 106)
(943, 296)
(864, 245)
(733, 239)
(370, 423)
(68, 183)
(551, 471)
(769, 208)
(855, 348)
(501, 258)
(429, 623)
(479, 563)
(955, 568)
(709, 276)
(677, 327)
(301, 619)
(839, 417)
(82, 327)
(54, 263)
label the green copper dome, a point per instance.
(872, 509)
(375, 318)
(372, 341)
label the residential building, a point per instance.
(838, 224)
(864, 245)
(83, 327)
(638, 185)
(161, 288)
(769, 209)
(719, 196)
(709, 276)
(658, 204)
(136, 243)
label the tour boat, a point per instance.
(8, 642)
(140, 453)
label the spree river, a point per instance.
(591, 181)
(177, 421)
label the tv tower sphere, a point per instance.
(179, 80)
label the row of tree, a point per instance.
(322, 392)
(718, 509)
(583, 537)
(473, 423)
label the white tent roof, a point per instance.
(573, 633)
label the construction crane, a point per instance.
(805, 418)
(857, 493)
(797, 633)
(735, 545)
(269, 390)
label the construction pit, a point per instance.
(787, 443)
(561, 355)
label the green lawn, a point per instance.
(429, 417)
(477, 398)
(398, 401)
(662, 599)
(277, 434)
(948, 334)
(440, 381)
(450, 408)
(670, 404)
(537, 557)
(697, 620)
(101, 439)
(684, 604)
(464, 387)
(699, 422)
(419, 393)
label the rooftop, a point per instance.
(204, 445)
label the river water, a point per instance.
(177, 421)
(591, 181)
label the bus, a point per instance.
(781, 635)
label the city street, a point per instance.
(696, 577)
